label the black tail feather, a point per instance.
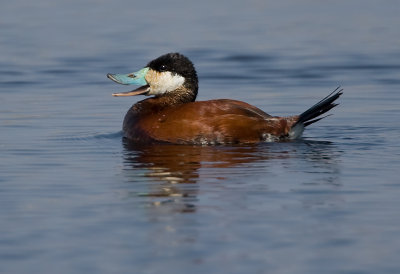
(308, 117)
(316, 120)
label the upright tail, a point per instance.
(311, 115)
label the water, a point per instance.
(75, 198)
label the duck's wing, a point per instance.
(228, 106)
(216, 122)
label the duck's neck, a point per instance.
(176, 97)
(168, 100)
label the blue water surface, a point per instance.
(76, 198)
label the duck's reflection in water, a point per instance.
(176, 168)
(172, 172)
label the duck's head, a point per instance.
(171, 74)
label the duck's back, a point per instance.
(205, 122)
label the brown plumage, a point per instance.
(206, 122)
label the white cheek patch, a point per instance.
(163, 82)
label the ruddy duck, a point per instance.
(173, 116)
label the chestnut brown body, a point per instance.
(220, 121)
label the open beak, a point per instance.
(142, 90)
(135, 78)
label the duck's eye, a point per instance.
(163, 68)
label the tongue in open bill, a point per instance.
(138, 91)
